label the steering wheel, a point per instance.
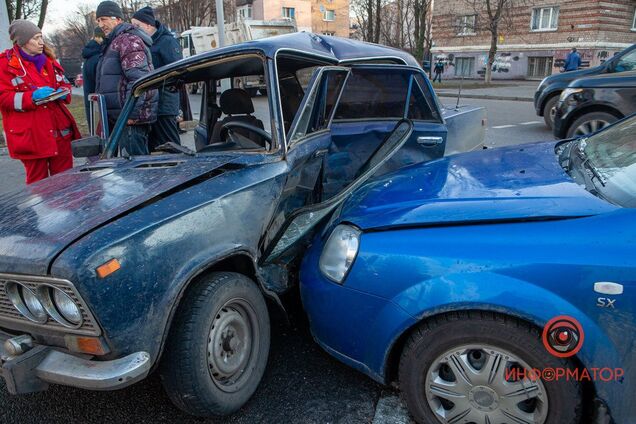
(226, 133)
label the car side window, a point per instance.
(374, 94)
(319, 105)
(626, 63)
(421, 103)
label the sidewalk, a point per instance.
(498, 90)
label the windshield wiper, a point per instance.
(585, 161)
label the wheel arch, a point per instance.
(596, 107)
(395, 352)
(238, 261)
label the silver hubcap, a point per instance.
(552, 113)
(230, 343)
(468, 385)
(590, 127)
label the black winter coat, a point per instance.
(165, 49)
(126, 58)
(90, 53)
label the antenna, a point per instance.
(459, 94)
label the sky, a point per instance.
(59, 10)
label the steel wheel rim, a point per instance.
(232, 347)
(589, 127)
(458, 390)
(552, 113)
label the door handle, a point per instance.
(429, 141)
(320, 153)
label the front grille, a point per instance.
(9, 314)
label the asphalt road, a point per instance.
(302, 383)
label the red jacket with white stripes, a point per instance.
(30, 130)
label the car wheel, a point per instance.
(218, 346)
(454, 369)
(589, 123)
(549, 111)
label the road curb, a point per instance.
(486, 97)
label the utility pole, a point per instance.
(5, 42)
(220, 22)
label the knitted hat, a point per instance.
(21, 31)
(98, 32)
(109, 9)
(145, 15)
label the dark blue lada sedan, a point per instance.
(494, 286)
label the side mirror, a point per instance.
(87, 147)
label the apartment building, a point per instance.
(329, 17)
(536, 44)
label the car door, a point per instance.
(308, 142)
(374, 98)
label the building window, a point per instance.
(244, 12)
(467, 25)
(464, 66)
(332, 33)
(329, 15)
(539, 67)
(545, 18)
(289, 12)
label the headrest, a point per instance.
(236, 101)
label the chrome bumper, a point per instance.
(40, 366)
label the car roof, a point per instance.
(334, 49)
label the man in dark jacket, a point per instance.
(165, 49)
(125, 58)
(91, 53)
(573, 61)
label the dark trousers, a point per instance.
(163, 131)
(134, 140)
(438, 75)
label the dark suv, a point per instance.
(548, 92)
(589, 104)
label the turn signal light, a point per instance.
(108, 268)
(91, 345)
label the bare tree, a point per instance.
(494, 17)
(368, 17)
(27, 9)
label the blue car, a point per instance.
(493, 286)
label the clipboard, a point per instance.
(61, 92)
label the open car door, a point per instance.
(300, 223)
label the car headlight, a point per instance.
(339, 252)
(60, 306)
(569, 93)
(26, 302)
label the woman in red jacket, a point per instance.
(39, 133)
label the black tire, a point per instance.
(587, 120)
(548, 114)
(194, 88)
(451, 331)
(263, 91)
(191, 381)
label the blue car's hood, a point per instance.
(521, 182)
(38, 221)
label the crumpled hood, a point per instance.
(39, 221)
(520, 182)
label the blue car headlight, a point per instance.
(339, 252)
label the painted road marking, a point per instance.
(503, 126)
(530, 123)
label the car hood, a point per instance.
(620, 79)
(39, 221)
(564, 78)
(512, 183)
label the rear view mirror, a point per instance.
(87, 147)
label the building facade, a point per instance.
(329, 17)
(536, 39)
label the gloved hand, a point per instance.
(41, 93)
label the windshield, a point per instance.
(611, 155)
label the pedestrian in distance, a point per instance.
(91, 53)
(165, 49)
(572, 61)
(125, 58)
(34, 92)
(439, 70)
